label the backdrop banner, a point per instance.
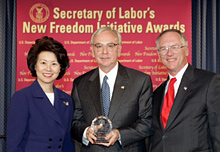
(73, 22)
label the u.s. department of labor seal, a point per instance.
(39, 13)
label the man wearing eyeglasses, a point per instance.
(186, 107)
(130, 101)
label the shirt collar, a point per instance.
(180, 73)
(111, 75)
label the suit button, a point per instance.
(164, 137)
(60, 139)
(49, 147)
(50, 139)
(59, 146)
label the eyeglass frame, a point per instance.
(167, 48)
(102, 46)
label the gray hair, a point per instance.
(102, 29)
(183, 37)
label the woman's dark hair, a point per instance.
(51, 45)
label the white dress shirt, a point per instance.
(111, 78)
(178, 79)
(50, 96)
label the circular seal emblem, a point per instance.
(39, 13)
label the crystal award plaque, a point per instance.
(102, 127)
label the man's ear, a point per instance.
(93, 55)
(187, 51)
(159, 56)
(119, 50)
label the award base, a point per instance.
(101, 140)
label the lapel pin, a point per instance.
(122, 87)
(185, 88)
(66, 103)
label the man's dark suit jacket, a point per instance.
(130, 109)
(194, 121)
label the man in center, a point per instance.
(130, 99)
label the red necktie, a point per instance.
(168, 102)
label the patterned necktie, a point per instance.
(105, 96)
(168, 102)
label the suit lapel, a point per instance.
(94, 89)
(121, 83)
(43, 102)
(60, 104)
(184, 89)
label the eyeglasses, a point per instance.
(110, 46)
(174, 48)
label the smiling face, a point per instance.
(47, 68)
(174, 62)
(106, 59)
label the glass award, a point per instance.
(101, 126)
